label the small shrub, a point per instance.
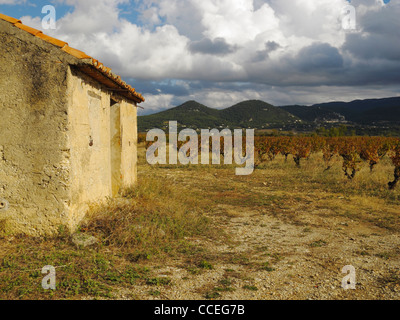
(205, 265)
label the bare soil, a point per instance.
(293, 247)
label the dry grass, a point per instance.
(150, 219)
(148, 224)
(174, 210)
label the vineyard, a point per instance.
(353, 151)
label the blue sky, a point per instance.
(129, 10)
(33, 8)
(222, 52)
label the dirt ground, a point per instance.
(294, 246)
(282, 233)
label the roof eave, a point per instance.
(84, 62)
(110, 82)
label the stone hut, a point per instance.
(68, 132)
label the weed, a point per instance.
(193, 270)
(205, 265)
(240, 259)
(362, 253)
(319, 243)
(212, 295)
(266, 266)
(154, 293)
(224, 289)
(162, 281)
(251, 288)
(225, 282)
(386, 255)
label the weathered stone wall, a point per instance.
(89, 142)
(62, 145)
(129, 144)
(116, 149)
(103, 143)
(123, 146)
(34, 159)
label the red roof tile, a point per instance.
(27, 29)
(76, 53)
(113, 80)
(54, 41)
(9, 19)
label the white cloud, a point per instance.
(91, 16)
(238, 22)
(276, 42)
(157, 102)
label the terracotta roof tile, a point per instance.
(27, 29)
(76, 53)
(106, 72)
(52, 40)
(9, 19)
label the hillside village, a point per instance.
(363, 117)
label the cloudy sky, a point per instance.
(221, 52)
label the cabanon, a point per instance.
(68, 132)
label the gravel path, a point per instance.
(270, 258)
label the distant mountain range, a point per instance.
(261, 115)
